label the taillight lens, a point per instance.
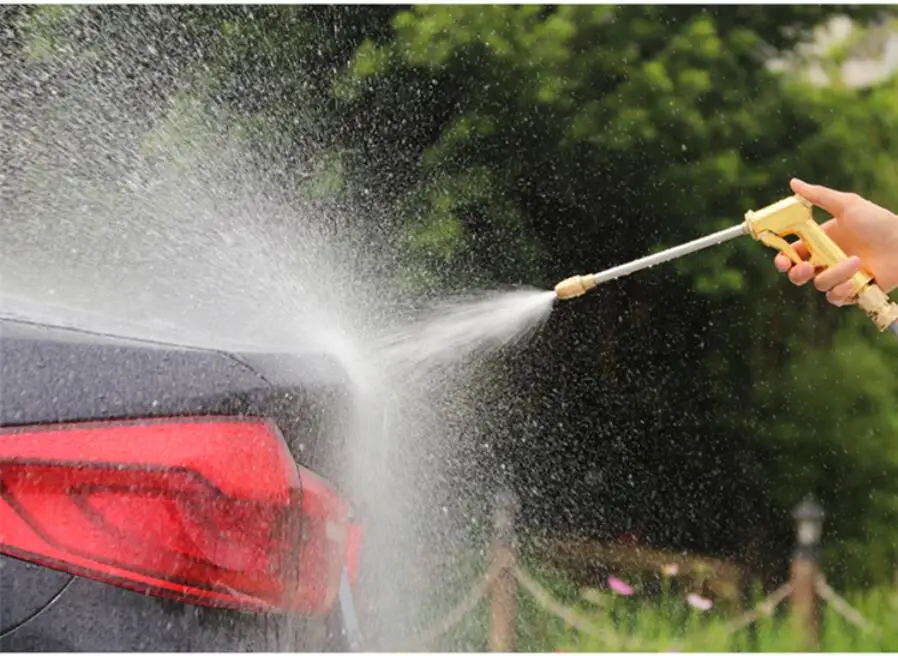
(208, 511)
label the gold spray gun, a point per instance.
(770, 226)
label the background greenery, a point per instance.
(693, 404)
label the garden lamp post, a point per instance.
(808, 516)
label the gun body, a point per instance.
(771, 225)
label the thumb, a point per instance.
(828, 199)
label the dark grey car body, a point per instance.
(53, 374)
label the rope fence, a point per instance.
(468, 603)
(764, 609)
(843, 608)
(505, 576)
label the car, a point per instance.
(161, 497)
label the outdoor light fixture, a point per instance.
(808, 517)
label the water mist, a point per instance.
(142, 212)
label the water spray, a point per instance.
(770, 225)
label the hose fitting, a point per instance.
(878, 306)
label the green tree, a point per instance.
(527, 143)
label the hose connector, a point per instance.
(878, 306)
(574, 286)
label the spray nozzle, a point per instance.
(574, 286)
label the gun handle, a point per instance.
(792, 216)
(825, 253)
(869, 296)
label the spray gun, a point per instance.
(770, 226)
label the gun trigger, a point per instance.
(780, 244)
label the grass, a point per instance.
(670, 625)
(649, 621)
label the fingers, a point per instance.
(837, 275)
(799, 274)
(782, 261)
(802, 273)
(840, 294)
(784, 264)
(835, 281)
(830, 200)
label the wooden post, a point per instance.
(503, 595)
(804, 572)
(804, 602)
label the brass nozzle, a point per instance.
(574, 286)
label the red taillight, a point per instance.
(210, 511)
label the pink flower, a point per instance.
(699, 602)
(671, 569)
(619, 586)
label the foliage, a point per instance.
(565, 139)
(693, 404)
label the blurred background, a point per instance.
(689, 407)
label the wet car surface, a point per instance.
(80, 410)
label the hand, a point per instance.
(866, 232)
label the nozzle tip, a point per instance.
(574, 286)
